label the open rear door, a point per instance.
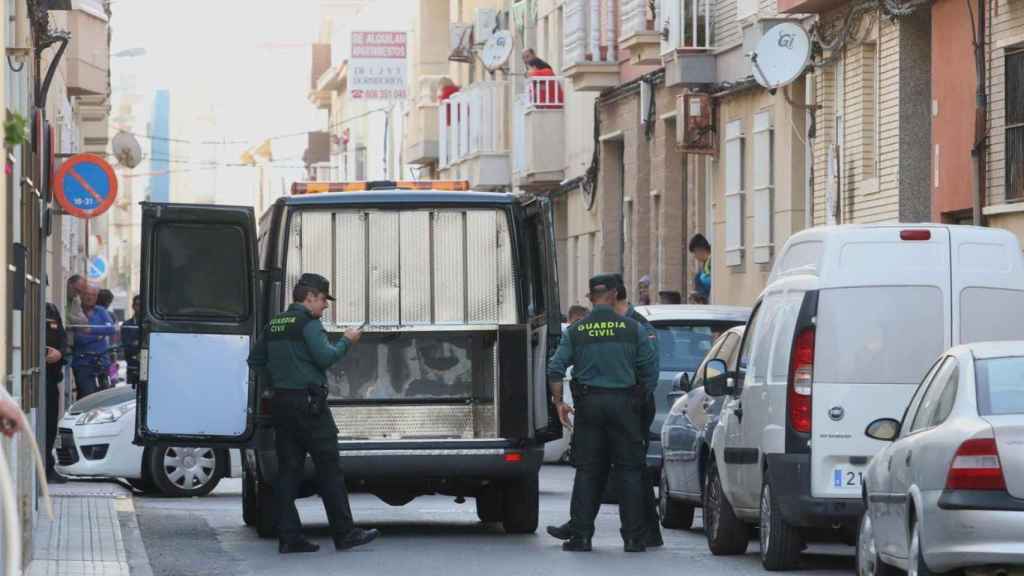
(199, 317)
(544, 313)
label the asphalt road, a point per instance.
(431, 535)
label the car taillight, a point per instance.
(976, 467)
(801, 377)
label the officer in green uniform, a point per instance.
(295, 350)
(611, 356)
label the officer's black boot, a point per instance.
(577, 544)
(297, 546)
(563, 532)
(355, 537)
(634, 545)
(653, 538)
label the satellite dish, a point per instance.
(497, 50)
(782, 55)
(127, 150)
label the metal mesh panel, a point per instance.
(506, 277)
(415, 270)
(383, 269)
(350, 280)
(482, 267)
(449, 270)
(462, 422)
(317, 251)
(294, 255)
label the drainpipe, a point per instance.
(980, 120)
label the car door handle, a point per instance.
(739, 411)
(907, 459)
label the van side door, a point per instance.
(199, 271)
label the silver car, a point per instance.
(947, 493)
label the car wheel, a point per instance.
(868, 561)
(727, 535)
(181, 472)
(674, 514)
(521, 504)
(915, 564)
(780, 543)
(489, 505)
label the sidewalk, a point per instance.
(94, 533)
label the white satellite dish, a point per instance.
(782, 55)
(127, 150)
(497, 50)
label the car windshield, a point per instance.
(683, 345)
(1000, 386)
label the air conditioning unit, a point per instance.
(695, 127)
(460, 42)
(19, 43)
(485, 23)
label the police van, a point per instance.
(446, 392)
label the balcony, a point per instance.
(591, 44)
(88, 57)
(539, 158)
(688, 42)
(473, 137)
(422, 124)
(808, 6)
(640, 36)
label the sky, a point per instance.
(244, 64)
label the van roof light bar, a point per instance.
(305, 188)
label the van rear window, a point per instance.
(878, 335)
(209, 258)
(991, 314)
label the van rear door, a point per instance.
(543, 312)
(883, 318)
(199, 317)
(988, 285)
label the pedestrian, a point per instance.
(643, 291)
(295, 351)
(131, 341)
(669, 297)
(701, 250)
(528, 54)
(73, 314)
(652, 537)
(545, 92)
(576, 313)
(105, 298)
(56, 351)
(614, 368)
(92, 348)
(445, 89)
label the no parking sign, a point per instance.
(85, 186)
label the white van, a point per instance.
(851, 320)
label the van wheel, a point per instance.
(727, 535)
(522, 505)
(916, 565)
(780, 543)
(674, 514)
(263, 519)
(868, 562)
(250, 505)
(489, 505)
(183, 472)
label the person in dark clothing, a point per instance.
(669, 297)
(56, 352)
(105, 298)
(131, 341)
(701, 250)
(294, 349)
(614, 369)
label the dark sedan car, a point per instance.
(686, 436)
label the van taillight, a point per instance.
(801, 377)
(915, 234)
(264, 405)
(976, 467)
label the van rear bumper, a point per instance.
(790, 476)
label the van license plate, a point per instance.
(847, 478)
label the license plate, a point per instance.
(847, 477)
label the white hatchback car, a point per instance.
(94, 439)
(947, 492)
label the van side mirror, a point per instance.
(884, 429)
(717, 379)
(682, 382)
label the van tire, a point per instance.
(250, 506)
(489, 505)
(727, 535)
(521, 505)
(781, 543)
(674, 514)
(266, 527)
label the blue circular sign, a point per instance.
(85, 186)
(97, 268)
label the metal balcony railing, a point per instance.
(591, 31)
(473, 121)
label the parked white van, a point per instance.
(851, 320)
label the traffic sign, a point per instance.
(97, 268)
(85, 186)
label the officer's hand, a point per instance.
(52, 355)
(353, 334)
(564, 410)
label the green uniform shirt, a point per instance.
(606, 351)
(652, 333)
(295, 349)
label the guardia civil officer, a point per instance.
(295, 350)
(611, 356)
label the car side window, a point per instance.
(911, 411)
(748, 340)
(698, 376)
(948, 396)
(930, 400)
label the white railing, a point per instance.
(545, 92)
(637, 17)
(472, 121)
(591, 31)
(521, 105)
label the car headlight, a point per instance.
(107, 414)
